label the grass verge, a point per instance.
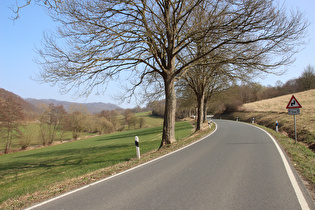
(286, 123)
(32, 176)
(302, 158)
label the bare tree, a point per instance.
(218, 82)
(204, 80)
(50, 121)
(186, 100)
(240, 61)
(75, 120)
(102, 39)
(111, 116)
(307, 80)
(11, 115)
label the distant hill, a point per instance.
(91, 107)
(27, 107)
(33, 105)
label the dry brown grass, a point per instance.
(275, 108)
(278, 104)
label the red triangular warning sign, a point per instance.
(293, 103)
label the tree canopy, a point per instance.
(98, 40)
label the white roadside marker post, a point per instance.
(277, 126)
(137, 147)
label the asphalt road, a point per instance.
(237, 167)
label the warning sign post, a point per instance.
(294, 109)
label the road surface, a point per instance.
(237, 167)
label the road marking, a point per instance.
(295, 185)
(110, 177)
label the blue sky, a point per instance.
(19, 39)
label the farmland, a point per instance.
(55, 169)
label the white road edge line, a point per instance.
(295, 185)
(110, 177)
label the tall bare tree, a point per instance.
(11, 115)
(240, 61)
(307, 80)
(50, 120)
(102, 39)
(204, 80)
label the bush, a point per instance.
(232, 106)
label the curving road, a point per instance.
(237, 167)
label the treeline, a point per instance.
(231, 98)
(232, 95)
(53, 123)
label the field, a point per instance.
(29, 173)
(150, 121)
(31, 132)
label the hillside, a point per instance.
(91, 107)
(278, 105)
(33, 105)
(27, 107)
(267, 112)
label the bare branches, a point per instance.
(101, 39)
(106, 38)
(17, 7)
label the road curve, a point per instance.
(237, 167)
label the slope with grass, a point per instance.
(150, 120)
(267, 112)
(31, 133)
(278, 105)
(27, 172)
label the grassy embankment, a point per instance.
(33, 175)
(31, 133)
(267, 112)
(31, 137)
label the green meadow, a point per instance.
(31, 132)
(31, 171)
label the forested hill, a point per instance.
(91, 107)
(34, 105)
(27, 107)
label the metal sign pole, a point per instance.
(294, 109)
(295, 130)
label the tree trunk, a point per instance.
(168, 136)
(200, 99)
(8, 143)
(205, 109)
